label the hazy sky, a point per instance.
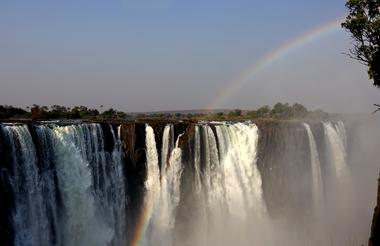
(145, 55)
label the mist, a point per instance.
(342, 217)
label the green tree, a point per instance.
(281, 111)
(39, 112)
(59, 109)
(110, 113)
(363, 22)
(263, 112)
(7, 112)
(252, 114)
(299, 111)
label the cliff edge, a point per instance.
(375, 228)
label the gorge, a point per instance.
(187, 183)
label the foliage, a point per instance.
(263, 112)
(235, 113)
(363, 22)
(38, 112)
(8, 112)
(280, 111)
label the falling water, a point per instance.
(167, 193)
(29, 217)
(317, 182)
(68, 190)
(152, 185)
(73, 147)
(336, 142)
(242, 180)
(117, 191)
(69, 183)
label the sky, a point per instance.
(152, 55)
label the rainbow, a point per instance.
(142, 223)
(263, 63)
(145, 215)
(271, 57)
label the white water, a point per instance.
(242, 180)
(116, 193)
(317, 182)
(165, 196)
(73, 193)
(152, 184)
(91, 184)
(29, 216)
(153, 173)
(336, 142)
(82, 225)
(228, 186)
(165, 148)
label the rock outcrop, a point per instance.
(374, 240)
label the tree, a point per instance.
(281, 111)
(363, 22)
(219, 115)
(110, 113)
(235, 113)
(238, 112)
(7, 112)
(299, 111)
(263, 112)
(252, 114)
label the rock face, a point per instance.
(375, 229)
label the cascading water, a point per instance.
(152, 186)
(73, 147)
(242, 180)
(69, 190)
(68, 184)
(163, 198)
(317, 182)
(29, 216)
(117, 191)
(336, 141)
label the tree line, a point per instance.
(281, 111)
(37, 112)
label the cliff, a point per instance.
(375, 228)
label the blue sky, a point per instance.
(144, 55)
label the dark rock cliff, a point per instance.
(375, 228)
(284, 161)
(6, 203)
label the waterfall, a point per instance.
(117, 191)
(165, 149)
(74, 148)
(152, 186)
(228, 187)
(336, 142)
(212, 184)
(29, 217)
(153, 173)
(68, 190)
(167, 193)
(317, 182)
(242, 180)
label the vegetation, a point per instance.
(280, 111)
(363, 22)
(55, 112)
